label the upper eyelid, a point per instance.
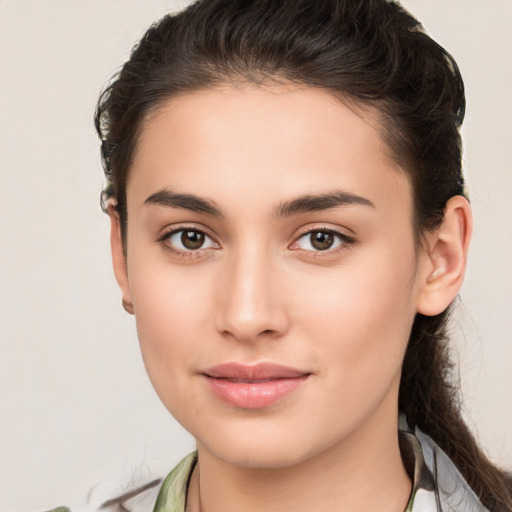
(325, 226)
(176, 229)
(336, 230)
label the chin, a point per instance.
(262, 446)
(258, 456)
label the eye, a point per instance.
(188, 240)
(321, 240)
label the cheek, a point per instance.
(171, 316)
(173, 312)
(361, 315)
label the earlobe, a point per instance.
(119, 258)
(444, 265)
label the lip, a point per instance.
(253, 386)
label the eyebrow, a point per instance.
(302, 204)
(187, 201)
(318, 202)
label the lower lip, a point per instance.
(254, 395)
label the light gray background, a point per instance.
(76, 406)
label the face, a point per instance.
(272, 270)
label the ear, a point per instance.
(119, 258)
(443, 267)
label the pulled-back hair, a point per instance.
(369, 52)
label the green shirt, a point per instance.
(437, 484)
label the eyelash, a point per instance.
(164, 241)
(344, 240)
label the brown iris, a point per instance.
(321, 240)
(192, 239)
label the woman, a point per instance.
(289, 229)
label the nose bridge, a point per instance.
(250, 304)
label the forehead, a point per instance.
(284, 140)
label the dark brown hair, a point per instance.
(370, 52)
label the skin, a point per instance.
(258, 290)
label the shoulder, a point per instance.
(437, 484)
(452, 489)
(141, 495)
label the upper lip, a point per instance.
(260, 371)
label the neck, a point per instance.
(363, 472)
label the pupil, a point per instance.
(192, 239)
(322, 240)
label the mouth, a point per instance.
(253, 386)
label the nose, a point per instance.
(252, 301)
